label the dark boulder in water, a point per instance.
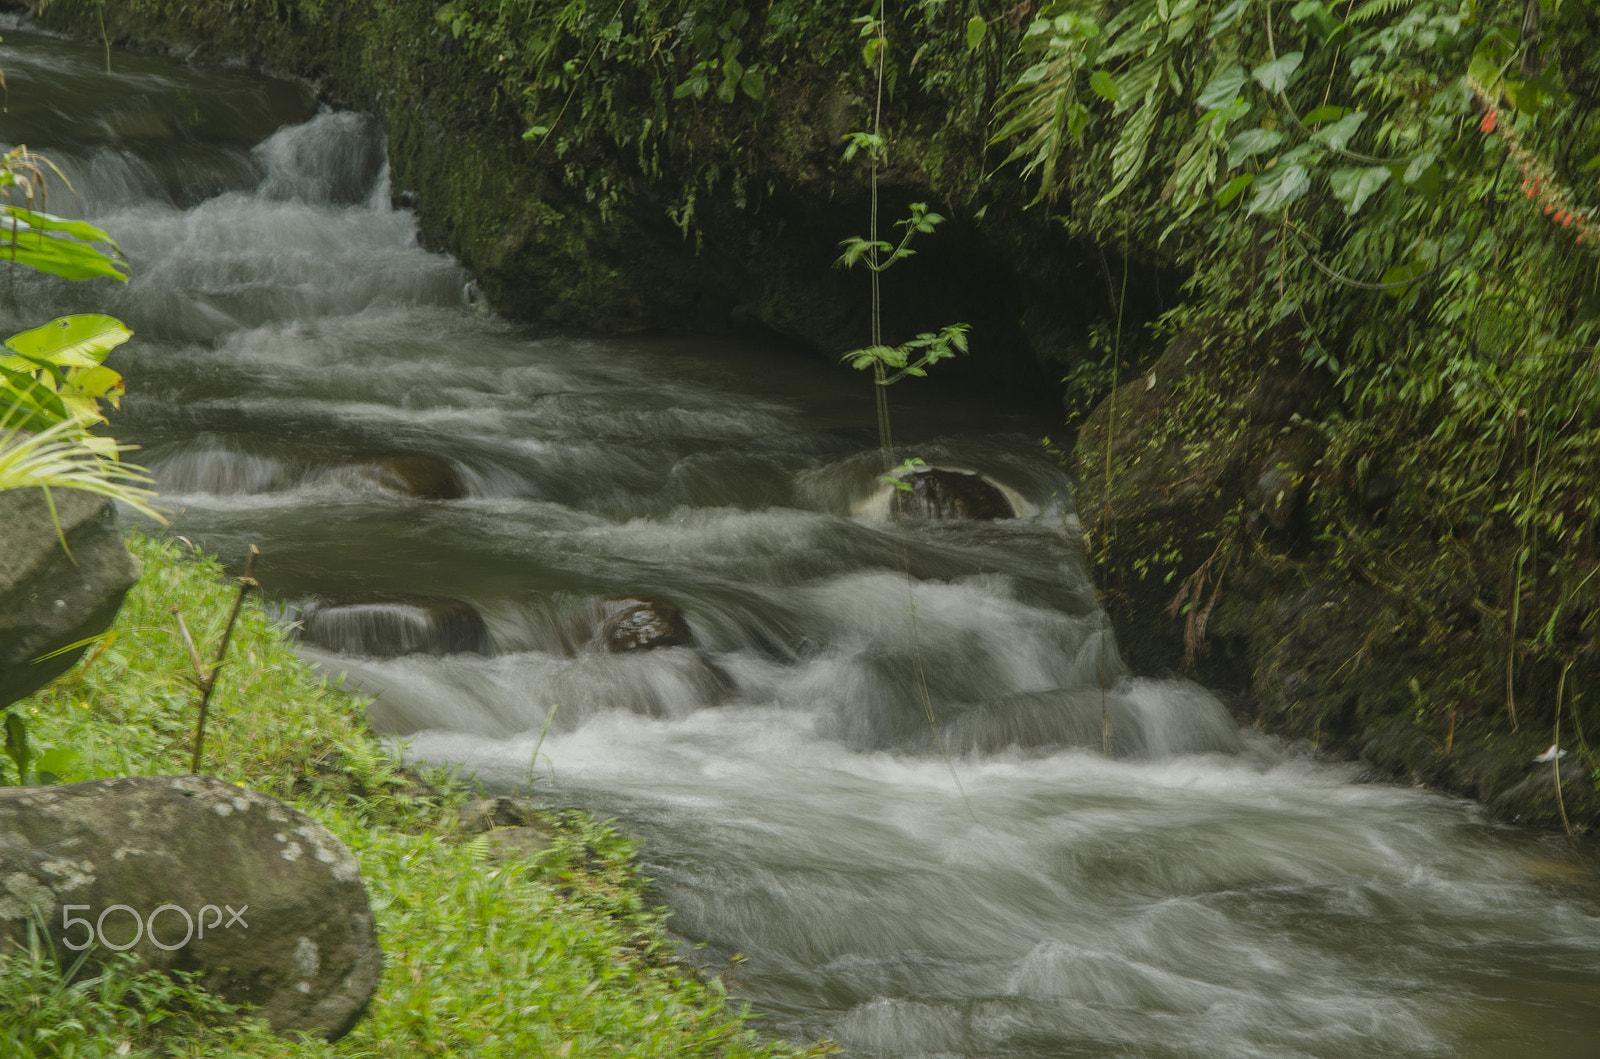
(394, 628)
(632, 623)
(410, 474)
(945, 494)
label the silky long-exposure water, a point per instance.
(1197, 891)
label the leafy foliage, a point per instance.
(1399, 195)
(39, 240)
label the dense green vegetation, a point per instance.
(1387, 203)
(555, 953)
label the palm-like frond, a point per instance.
(61, 458)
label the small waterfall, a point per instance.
(335, 159)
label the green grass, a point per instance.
(554, 954)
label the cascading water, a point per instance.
(447, 496)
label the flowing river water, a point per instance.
(1200, 891)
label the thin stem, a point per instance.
(246, 583)
(1555, 749)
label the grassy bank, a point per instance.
(556, 953)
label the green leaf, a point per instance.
(72, 341)
(871, 50)
(1222, 89)
(55, 764)
(1252, 142)
(754, 85)
(1491, 57)
(1105, 86)
(1418, 166)
(1403, 274)
(1234, 187)
(27, 403)
(1277, 188)
(697, 86)
(24, 242)
(1322, 114)
(1227, 17)
(1127, 157)
(1275, 76)
(977, 29)
(1339, 133)
(17, 744)
(45, 222)
(1355, 185)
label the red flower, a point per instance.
(1487, 124)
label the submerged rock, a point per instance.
(51, 597)
(632, 623)
(390, 629)
(191, 873)
(409, 474)
(945, 494)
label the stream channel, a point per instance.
(1201, 891)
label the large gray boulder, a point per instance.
(194, 874)
(48, 598)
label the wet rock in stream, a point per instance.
(409, 474)
(941, 493)
(390, 629)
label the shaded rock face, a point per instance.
(391, 629)
(632, 623)
(409, 474)
(1222, 507)
(945, 494)
(49, 599)
(280, 918)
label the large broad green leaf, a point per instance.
(977, 29)
(59, 256)
(26, 403)
(45, 222)
(1105, 86)
(1252, 142)
(80, 341)
(24, 241)
(1274, 76)
(1354, 186)
(1222, 89)
(1278, 187)
(87, 387)
(1339, 133)
(1235, 186)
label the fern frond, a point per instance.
(1378, 9)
